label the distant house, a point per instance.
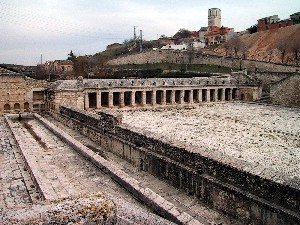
(217, 35)
(202, 32)
(63, 66)
(59, 66)
(273, 22)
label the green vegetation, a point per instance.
(168, 70)
(178, 67)
(252, 29)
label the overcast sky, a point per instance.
(29, 28)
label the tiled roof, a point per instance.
(137, 83)
(64, 62)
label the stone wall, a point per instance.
(287, 91)
(17, 91)
(181, 57)
(243, 196)
(267, 78)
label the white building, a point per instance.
(175, 47)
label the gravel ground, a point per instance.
(264, 140)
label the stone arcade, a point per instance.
(157, 92)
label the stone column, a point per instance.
(208, 95)
(200, 95)
(237, 94)
(164, 97)
(110, 99)
(216, 95)
(191, 97)
(223, 95)
(121, 99)
(132, 98)
(181, 98)
(98, 99)
(143, 98)
(86, 101)
(172, 97)
(153, 98)
(230, 94)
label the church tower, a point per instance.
(214, 17)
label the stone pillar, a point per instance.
(230, 94)
(191, 97)
(143, 98)
(200, 95)
(132, 98)
(86, 101)
(172, 97)
(223, 94)
(121, 99)
(181, 98)
(208, 95)
(216, 95)
(98, 99)
(164, 97)
(237, 94)
(110, 99)
(153, 98)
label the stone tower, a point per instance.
(214, 17)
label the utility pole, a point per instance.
(41, 58)
(141, 40)
(134, 32)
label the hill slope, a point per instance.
(266, 44)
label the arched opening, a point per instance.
(6, 106)
(242, 97)
(26, 106)
(16, 106)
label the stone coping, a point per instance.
(149, 197)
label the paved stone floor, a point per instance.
(182, 201)
(261, 139)
(16, 186)
(62, 171)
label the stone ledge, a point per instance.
(150, 198)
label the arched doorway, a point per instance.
(16, 106)
(6, 106)
(26, 106)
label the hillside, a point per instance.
(269, 45)
(265, 45)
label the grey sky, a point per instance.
(29, 28)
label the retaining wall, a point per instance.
(181, 57)
(241, 195)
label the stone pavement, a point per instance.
(60, 172)
(182, 201)
(16, 186)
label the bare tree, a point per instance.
(235, 44)
(244, 49)
(282, 47)
(295, 47)
(227, 47)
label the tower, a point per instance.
(214, 17)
